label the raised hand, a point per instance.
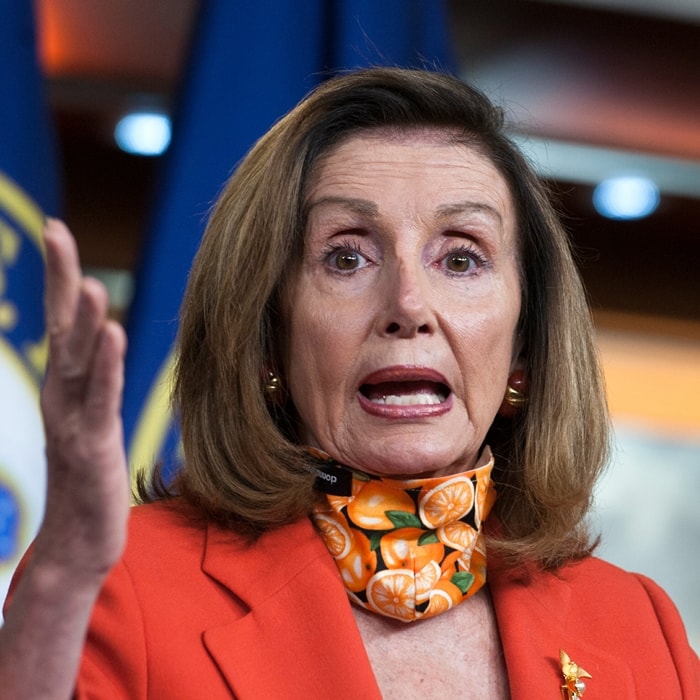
(87, 494)
(87, 501)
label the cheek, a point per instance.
(319, 366)
(486, 340)
(317, 355)
(326, 331)
(504, 319)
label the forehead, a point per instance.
(426, 161)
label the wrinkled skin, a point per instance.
(88, 492)
(409, 288)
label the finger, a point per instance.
(63, 277)
(73, 352)
(103, 394)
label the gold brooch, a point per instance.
(573, 685)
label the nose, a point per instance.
(406, 307)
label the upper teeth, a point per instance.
(409, 399)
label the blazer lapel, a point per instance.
(533, 610)
(298, 638)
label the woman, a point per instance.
(383, 330)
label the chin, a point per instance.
(413, 463)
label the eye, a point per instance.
(348, 260)
(463, 260)
(459, 261)
(345, 257)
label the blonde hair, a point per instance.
(243, 467)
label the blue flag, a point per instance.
(252, 61)
(28, 185)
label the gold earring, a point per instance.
(273, 384)
(514, 398)
(516, 395)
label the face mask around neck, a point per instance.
(407, 549)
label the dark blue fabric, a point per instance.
(27, 148)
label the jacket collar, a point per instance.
(535, 620)
(297, 637)
(281, 648)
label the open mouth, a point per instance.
(406, 393)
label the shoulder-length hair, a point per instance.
(243, 466)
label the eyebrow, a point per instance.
(369, 208)
(468, 207)
(360, 206)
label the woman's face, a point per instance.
(402, 316)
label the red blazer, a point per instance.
(192, 612)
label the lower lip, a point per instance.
(417, 411)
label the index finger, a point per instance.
(63, 277)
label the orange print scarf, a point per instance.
(407, 549)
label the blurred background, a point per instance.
(604, 96)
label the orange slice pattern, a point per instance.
(401, 549)
(369, 508)
(485, 498)
(392, 592)
(457, 535)
(335, 534)
(411, 549)
(445, 595)
(426, 579)
(449, 501)
(359, 565)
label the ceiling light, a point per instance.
(628, 197)
(143, 133)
